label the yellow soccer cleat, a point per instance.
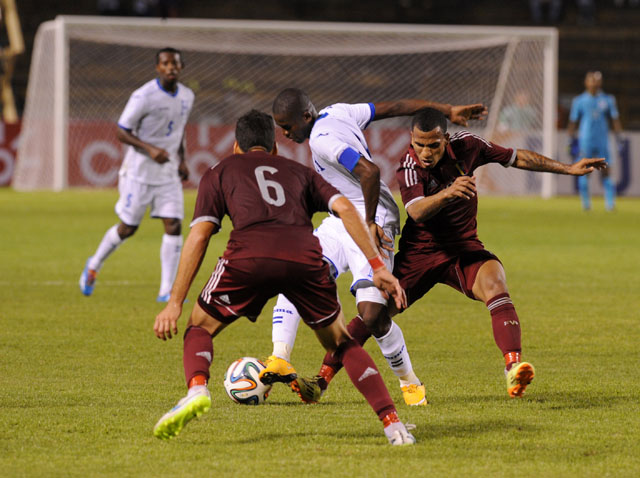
(197, 402)
(518, 377)
(277, 370)
(414, 395)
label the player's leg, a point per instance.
(197, 358)
(607, 181)
(374, 319)
(283, 335)
(286, 317)
(284, 328)
(130, 208)
(168, 205)
(366, 378)
(391, 341)
(490, 286)
(169, 256)
(583, 184)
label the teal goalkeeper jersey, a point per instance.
(593, 113)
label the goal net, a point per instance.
(84, 69)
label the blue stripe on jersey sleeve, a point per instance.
(373, 114)
(124, 127)
(349, 158)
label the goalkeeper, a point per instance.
(592, 111)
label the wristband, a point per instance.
(376, 263)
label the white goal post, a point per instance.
(83, 70)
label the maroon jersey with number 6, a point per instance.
(270, 200)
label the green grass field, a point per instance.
(83, 380)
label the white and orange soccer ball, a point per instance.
(242, 383)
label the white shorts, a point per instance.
(165, 200)
(342, 254)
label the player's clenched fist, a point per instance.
(159, 155)
(463, 187)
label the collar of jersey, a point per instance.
(167, 92)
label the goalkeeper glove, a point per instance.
(623, 147)
(573, 149)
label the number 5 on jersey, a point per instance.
(269, 186)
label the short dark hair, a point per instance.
(428, 119)
(291, 100)
(168, 49)
(255, 128)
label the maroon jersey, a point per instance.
(454, 227)
(270, 200)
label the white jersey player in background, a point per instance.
(152, 124)
(341, 155)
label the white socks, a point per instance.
(109, 243)
(395, 352)
(169, 259)
(284, 327)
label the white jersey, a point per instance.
(157, 117)
(336, 143)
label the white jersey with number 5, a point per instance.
(157, 117)
(337, 142)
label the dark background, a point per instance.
(605, 37)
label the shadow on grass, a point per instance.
(547, 400)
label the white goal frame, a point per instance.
(62, 25)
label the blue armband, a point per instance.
(349, 158)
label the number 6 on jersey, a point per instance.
(264, 184)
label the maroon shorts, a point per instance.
(241, 287)
(419, 271)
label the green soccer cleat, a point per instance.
(518, 377)
(197, 402)
(307, 389)
(277, 370)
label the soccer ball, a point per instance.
(242, 383)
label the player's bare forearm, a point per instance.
(157, 154)
(464, 187)
(426, 207)
(355, 226)
(532, 161)
(406, 107)
(369, 176)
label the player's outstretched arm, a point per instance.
(159, 155)
(456, 114)
(533, 161)
(191, 258)
(357, 229)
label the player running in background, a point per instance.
(593, 110)
(341, 156)
(271, 250)
(152, 124)
(439, 241)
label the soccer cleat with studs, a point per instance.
(397, 432)
(307, 389)
(518, 377)
(197, 402)
(277, 370)
(87, 280)
(414, 395)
